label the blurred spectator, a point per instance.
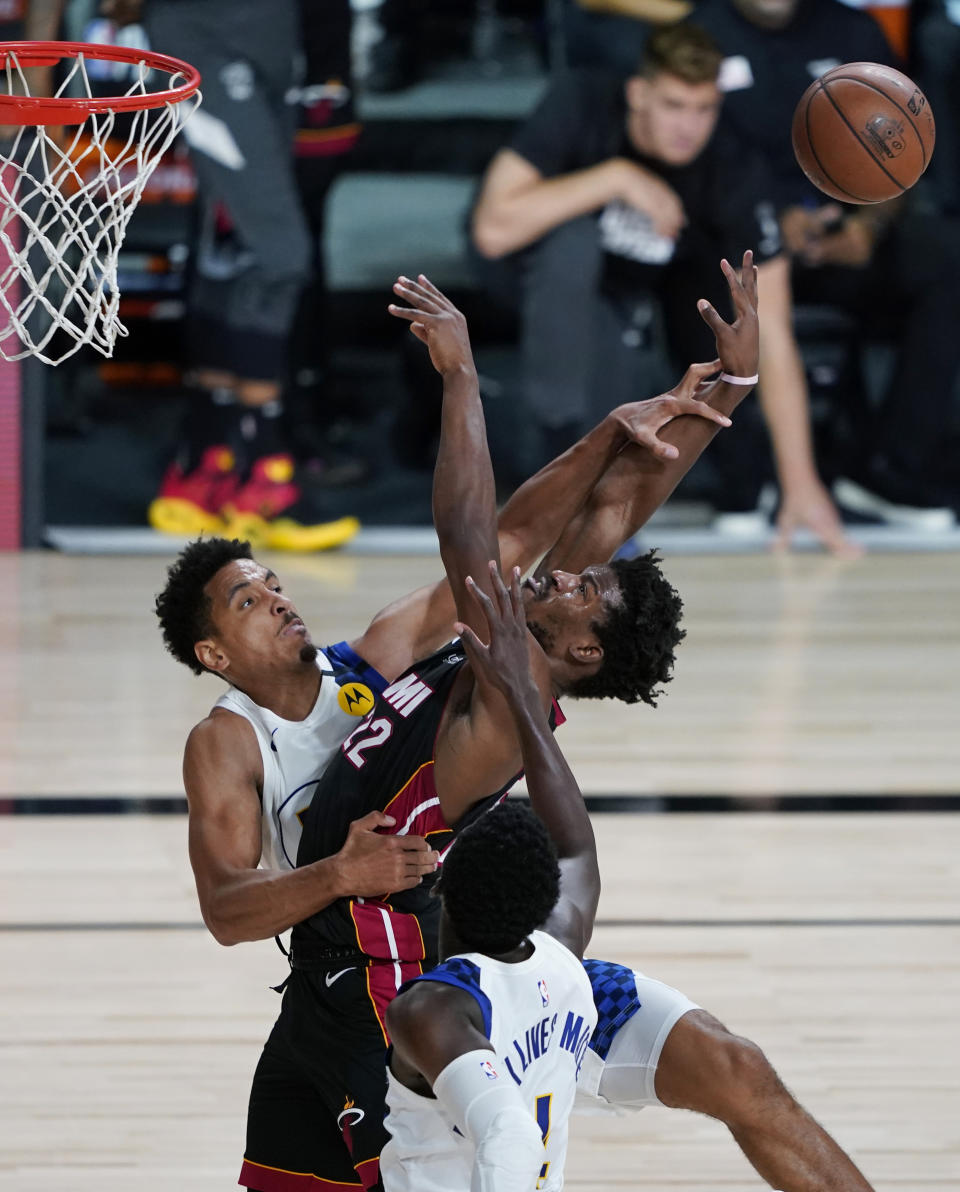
(611, 34)
(326, 135)
(936, 57)
(616, 192)
(895, 267)
(234, 466)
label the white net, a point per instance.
(67, 196)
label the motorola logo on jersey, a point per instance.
(356, 699)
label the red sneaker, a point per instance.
(269, 511)
(189, 503)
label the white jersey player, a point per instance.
(296, 752)
(537, 1014)
(488, 1045)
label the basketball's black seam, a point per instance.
(811, 144)
(906, 111)
(856, 137)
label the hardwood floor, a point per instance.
(128, 1037)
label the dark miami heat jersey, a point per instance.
(386, 764)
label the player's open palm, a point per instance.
(435, 321)
(505, 661)
(738, 343)
(640, 421)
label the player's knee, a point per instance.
(709, 1069)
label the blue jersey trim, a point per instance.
(347, 664)
(465, 975)
(615, 996)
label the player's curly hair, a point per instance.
(183, 607)
(500, 880)
(638, 636)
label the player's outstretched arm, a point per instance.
(637, 483)
(240, 902)
(554, 793)
(536, 516)
(464, 496)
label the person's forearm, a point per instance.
(42, 19)
(786, 410)
(554, 792)
(636, 484)
(541, 508)
(657, 11)
(464, 495)
(505, 223)
(258, 904)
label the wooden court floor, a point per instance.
(831, 937)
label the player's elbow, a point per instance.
(226, 934)
(510, 1152)
(491, 234)
(227, 929)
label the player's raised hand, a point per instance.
(738, 343)
(436, 322)
(640, 421)
(505, 661)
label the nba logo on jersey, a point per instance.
(488, 1070)
(544, 996)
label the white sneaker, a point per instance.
(752, 524)
(850, 495)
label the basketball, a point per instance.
(863, 133)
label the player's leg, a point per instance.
(705, 1068)
(557, 338)
(293, 1137)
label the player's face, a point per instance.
(257, 625)
(562, 606)
(768, 14)
(671, 120)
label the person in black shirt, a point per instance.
(894, 266)
(613, 192)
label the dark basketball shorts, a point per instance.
(318, 1100)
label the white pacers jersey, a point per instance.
(538, 1014)
(296, 752)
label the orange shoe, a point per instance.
(269, 511)
(189, 503)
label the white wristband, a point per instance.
(739, 380)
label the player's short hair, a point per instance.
(183, 607)
(500, 880)
(638, 636)
(684, 50)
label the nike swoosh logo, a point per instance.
(329, 978)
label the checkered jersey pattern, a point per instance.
(615, 996)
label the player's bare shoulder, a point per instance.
(221, 747)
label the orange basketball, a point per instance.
(863, 133)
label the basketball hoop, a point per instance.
(70, 180)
